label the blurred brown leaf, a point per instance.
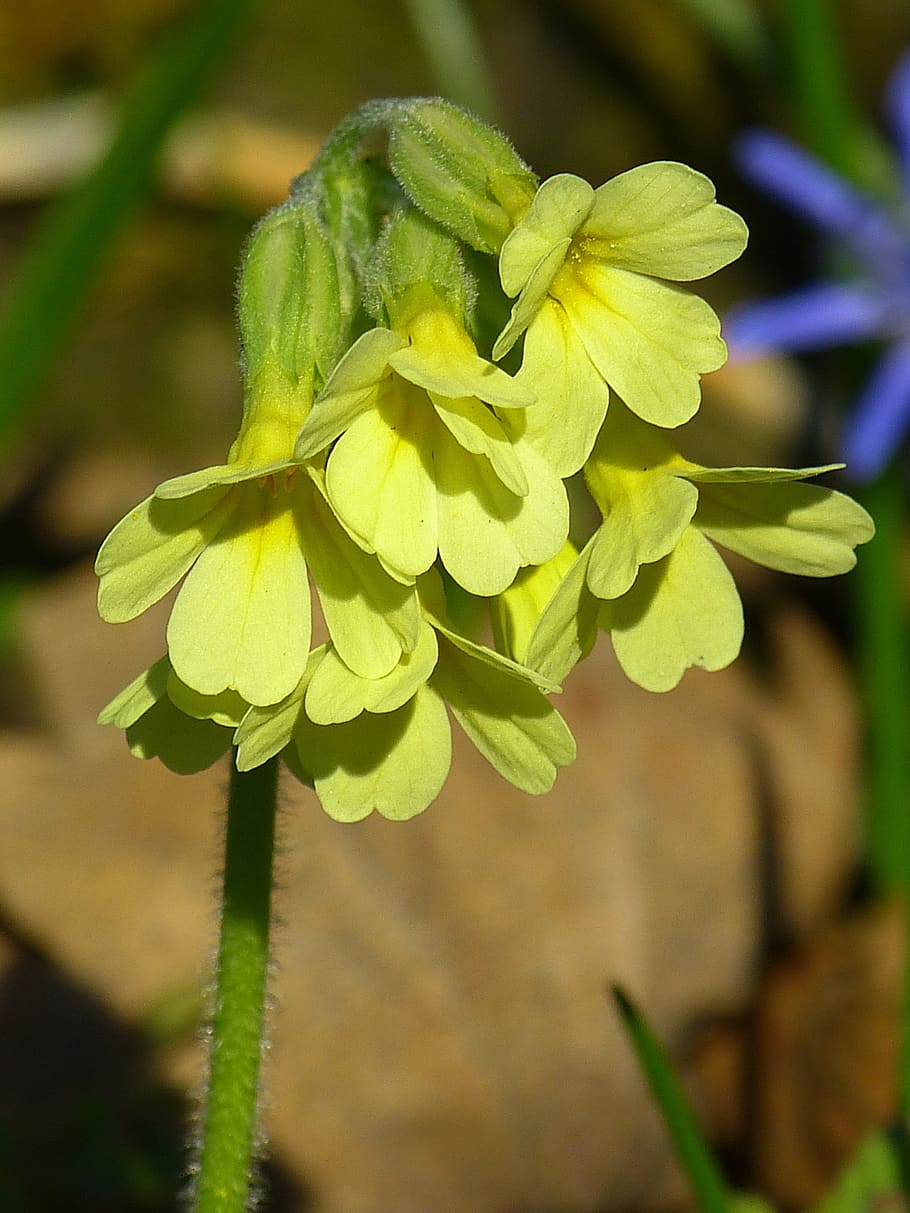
(442, 1038)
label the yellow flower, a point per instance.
(589, 269)
(422, 466)
(665, 596)
(243, 534)
(384, 744)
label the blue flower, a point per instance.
(875, 305)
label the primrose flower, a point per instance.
(244, 535)
(872, 305)
(589, 269)
(666, 597)
(421, 464)
(385, 744)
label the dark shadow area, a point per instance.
(86, 1126)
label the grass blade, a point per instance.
(691, 1148)
(69, 245)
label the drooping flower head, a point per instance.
(872, 304)
(385, 461)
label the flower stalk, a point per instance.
(227, 1155)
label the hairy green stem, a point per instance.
(229, 1130)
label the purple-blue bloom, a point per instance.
(874, 306)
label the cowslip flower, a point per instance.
(384, 744)
(422, 466)
(650, 575)
(589, 268)
(872, 305)
(245, 535)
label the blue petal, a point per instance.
(897, 106)
(812, 318)
(881, 416)
(817, 193)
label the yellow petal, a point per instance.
(649, 340)
(267, 731)
(371, 617)
(136, 699)
(793, 527)
(682, 611)
(183, 744)
(336, 694)
(662, 219)
(487, 533)
(350, 391)
(394, 763)
(560, 207)
(442, 359)
(478, 430)
(242, 617)
(512, 724)
(572, 396)
(645, 513)
(380, 483)
(150, 549)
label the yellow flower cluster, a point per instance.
(385, 462)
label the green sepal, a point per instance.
(288, 298)
(354, 194)
(415, 260)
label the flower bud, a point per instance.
(416, 261)
(289, 310)
(462, 172)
